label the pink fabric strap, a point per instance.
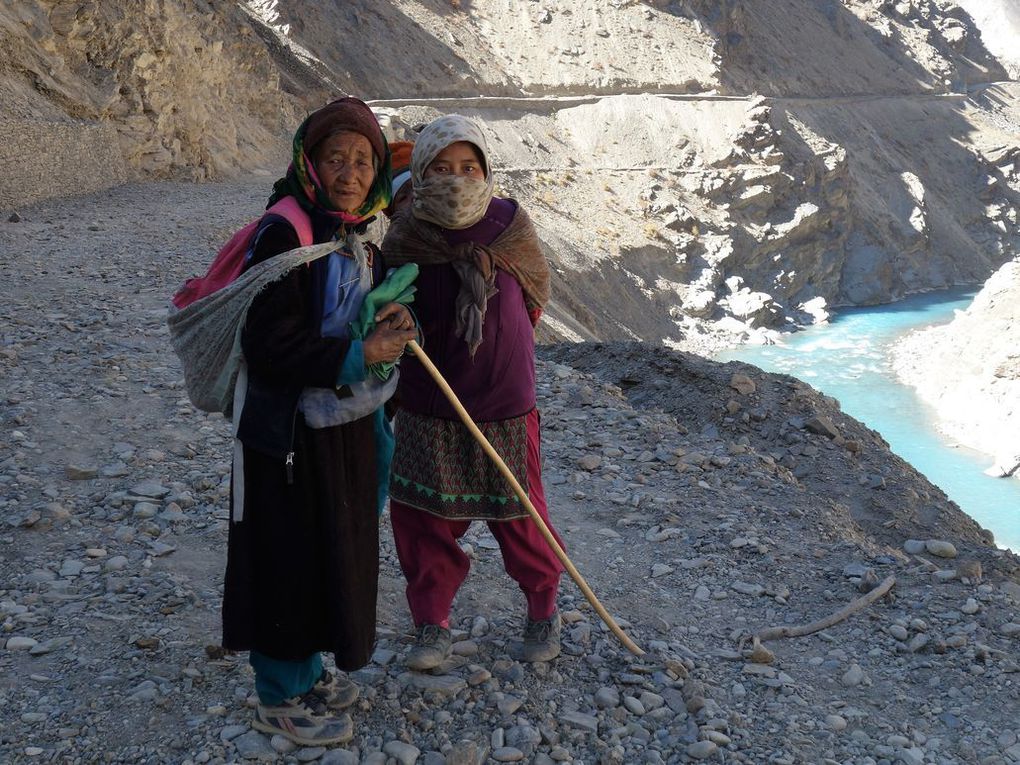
(289, 209)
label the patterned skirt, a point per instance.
(440, 468)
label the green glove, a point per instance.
(397, 287)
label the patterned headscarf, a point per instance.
(303, 183)
(448, 201)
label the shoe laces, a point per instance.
(313, 703)
(431, 633)
(538, 631)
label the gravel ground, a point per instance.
(704, 502)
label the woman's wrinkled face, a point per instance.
(459, 159)
(343, 162)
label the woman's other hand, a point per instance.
(385, 344)
(398, 314)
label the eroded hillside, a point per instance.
(698, 169)
(94, 93)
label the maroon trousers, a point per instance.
(435, 566)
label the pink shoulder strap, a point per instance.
(289, 209)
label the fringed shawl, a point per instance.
(516, 250)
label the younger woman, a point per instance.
(482, 283)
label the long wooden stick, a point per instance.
(522, 495)
(851, 608)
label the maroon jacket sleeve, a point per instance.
(281, 341)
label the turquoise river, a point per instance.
(850, 359)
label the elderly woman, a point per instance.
(482, 284)
(302, 562)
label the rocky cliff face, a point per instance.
(999, 22)
(177, 88)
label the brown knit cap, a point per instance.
(344, 114)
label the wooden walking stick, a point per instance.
(523, 497)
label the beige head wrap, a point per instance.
(448, 201)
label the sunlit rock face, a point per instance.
(693, 171)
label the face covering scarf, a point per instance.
(450, 201)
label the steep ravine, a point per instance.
(871, 166)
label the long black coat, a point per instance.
(303, 563)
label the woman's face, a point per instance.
(458, 159)
(343, 162)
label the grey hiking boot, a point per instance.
(336, 690)
(431, 648)
(542, 639)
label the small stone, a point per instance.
(821, 426)
(607, 698)
(254, 746)
(145, 510)
(449, 685)
(918, 642)
(507, 754)
(746, 588)
(282, 745)
(51, 645)
(940, 548)
(463, 753)
(853, 676)
(969, 570)
(852, 570)
(956, 641)
(701, 750)
(899, 632)
(1012, 590)
(81, 472)
(344, 757)
(30, 519)
(150, 489)
(116, 563)
(742, 384)
(1010, 629)
(835, 722)
(868, 582)
(464, 648)
(403, 753)
(71, 568)
(21, 643)
(589, 462)
(15, 218)
(914, 546)
(230, 732)
(580, 720)
(761, 655)
(660, 569)
(633, 705)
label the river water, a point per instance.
(850, 359)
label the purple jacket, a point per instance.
(499, 382)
